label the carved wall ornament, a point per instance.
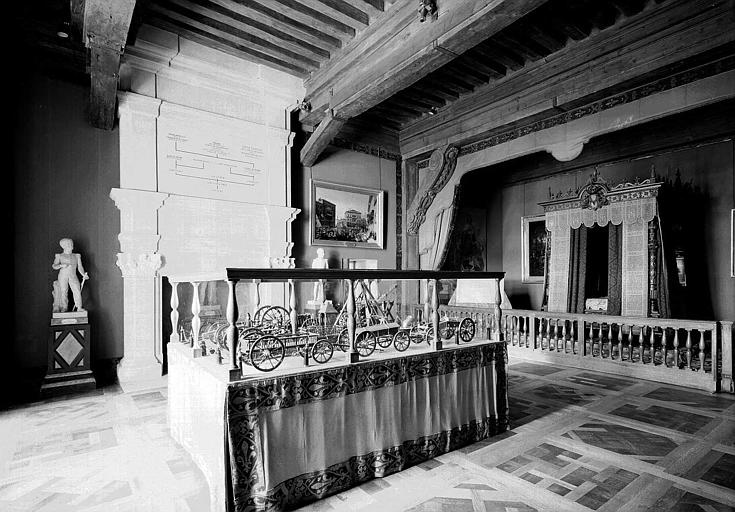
(427, 9)
(442, 163)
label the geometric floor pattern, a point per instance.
(100, 451)
(580, 441)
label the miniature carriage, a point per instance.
(266, 351)
(412, 331)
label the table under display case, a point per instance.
(304, 431)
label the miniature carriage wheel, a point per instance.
(220, 336)
(322, 351)
(446, 330)
(365, 343)
(429, 336)
(467, 329)
(343, 340)
(245, 339)
(384, 341)
(266, 353)
(275, 317)
(401, 340)
(257, 317)
(308, 323)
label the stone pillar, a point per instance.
(139, 262)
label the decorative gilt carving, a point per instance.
(442, 164)
(140, 265)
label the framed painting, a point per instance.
(533, 248)
(346, 216)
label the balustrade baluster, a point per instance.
(620, 342)
(196, 322)
(605, 340)
(556, 334)
(701, 350)
(528, 322)
(564, 334)
(591, 335)
(652, 343)
(232, 334)
(641, 341)
(664, 346)
(689, 348)
(676, 347)
(174, 312)
(541, 333)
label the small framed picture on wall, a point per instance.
(533, 248)
(346, 216)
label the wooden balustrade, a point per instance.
(687, 352)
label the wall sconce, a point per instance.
(427, 8)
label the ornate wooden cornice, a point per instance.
(343, 143)
(661, 85)
(442, 163)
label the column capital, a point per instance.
(139, 200)
(138, 265)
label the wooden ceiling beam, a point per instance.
(316, 19)
(76, 9)
(372, 8)
(423, 96)
(241, 23)
(106, 25)
(279, 21)
(478, 61)
(222, 31)
(544, 36)
(339, 11)
(510, 59)
(469, 74)
(224, 45)
(320, 139)
(390, 56)
(526, 47)
(415, 103)
(445, 93)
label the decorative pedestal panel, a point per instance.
(68, 358)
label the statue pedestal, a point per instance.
(69, 369)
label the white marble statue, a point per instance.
(68, 263)
(319, 262)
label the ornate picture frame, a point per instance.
(346, 216)
(533, 248)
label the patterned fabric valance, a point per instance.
(627, 212)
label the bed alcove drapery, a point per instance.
(634, 246)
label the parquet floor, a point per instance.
(580, 441)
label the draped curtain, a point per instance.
(577, 270)
(614, 268)
(662, 280)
